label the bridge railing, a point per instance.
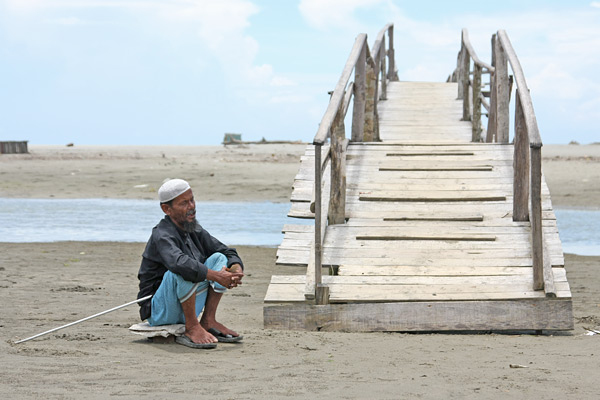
(527, 160)
(373, 68)
(469, 90)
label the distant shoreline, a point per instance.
(252, 172)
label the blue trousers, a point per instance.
(174, 290)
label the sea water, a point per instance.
(51, 220)
(241, 223)
(579, 230)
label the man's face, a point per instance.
(182, 211)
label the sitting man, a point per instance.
(186, 270)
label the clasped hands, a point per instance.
(228, 277)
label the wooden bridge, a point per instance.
(424, 221)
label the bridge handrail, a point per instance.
(467, 87)
(338, 93)
(368, 67)
(527, 161)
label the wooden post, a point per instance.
(337, 199)
(322, 294)
(476, 132)
(502, 94)
(382, 62)
(537, 239)
(376, 71)
(358, 109)
(318, 219)
(391, 56)
(492, 122)
(466, 69)
(520, 165)
(376, 137)
(459, 66)
(369, 129)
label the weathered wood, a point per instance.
(526, 103)
(391, 74)
(427, 280)
(341, 293)
(492, 127)
(360, 87)
(337, 201)
(440, 168)
(464, 238)
(430, 197)
(338, 93)
(466, 43)
(466, 69)
(549, 276)
(537, 240)
(370, 102)
(476, 103)
(322, 294)
(433, 271)
(424, 316)
(502, 94)
(520, 166)
(382, 67)
(422, 256)
(431, 153)
(319, 230)
(462, 76)
(310, 175)
(346, 103)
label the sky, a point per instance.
(184, 72)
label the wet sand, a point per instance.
(44, 285)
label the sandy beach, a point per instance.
(44, 285)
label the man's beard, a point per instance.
(190, 226)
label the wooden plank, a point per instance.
(468, 280)
(447, 196)
(431, 153)
(424, 316)
(300, 258)
(339, 293)
(297, 228)
(372, 227)
(464, 237)
(420, 251)
(438, 168)
(441, 271)
(465, 221)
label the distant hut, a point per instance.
(13, 147)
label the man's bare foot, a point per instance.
(198, 334)
(208, 324)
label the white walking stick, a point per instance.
(85, 319)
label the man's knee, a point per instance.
(216, 261)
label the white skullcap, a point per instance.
(171, 189)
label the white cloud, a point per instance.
(332, 14)
(556, 82)
(595, 4)
(279, 81)
(221, 27)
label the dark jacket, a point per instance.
(166, 250)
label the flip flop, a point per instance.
(186, 341)
(221, 337)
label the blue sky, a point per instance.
(187, 71)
